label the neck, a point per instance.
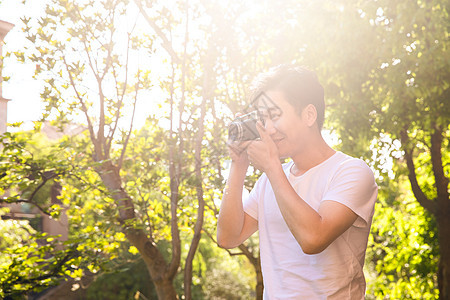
(315, 152)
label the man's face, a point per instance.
(281, 120)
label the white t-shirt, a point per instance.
(336, 272)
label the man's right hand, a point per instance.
(234, 226)
(238, 152)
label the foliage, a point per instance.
(384, 66)
(222, 276)
(403, 252)
(33, 261)
(224, 285)
(123, 283)
(394, 111)
(29, 174)
(14, 231)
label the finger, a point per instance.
(238, 147)
(262, 131)
(238, 144)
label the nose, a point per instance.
(269, 126)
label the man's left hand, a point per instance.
(263, 153)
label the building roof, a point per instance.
(5, 27)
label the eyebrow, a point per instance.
(265, 104)
(265, 108)
(271, 111)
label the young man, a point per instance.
(313, 213)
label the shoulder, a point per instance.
(353, 167)
(347, 161)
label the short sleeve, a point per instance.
(353, 185)
(250, 203)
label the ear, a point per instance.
(309, 114)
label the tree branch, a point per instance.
(36, 190)
(54, 270)
(43, 210)
(438, 170)
(174, 193)
(418, 193)
(165, 42)
(83, 105)
(150, 227)
(227, 250)
(199, 186)
(122, 94)
(124, 148)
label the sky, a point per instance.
(21, 88)
(24, 91)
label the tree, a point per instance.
(32, 260)
(370, 56)
(97, 83)
(405, 95)
(385, 71)
(87, 58)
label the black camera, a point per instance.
(243, 128)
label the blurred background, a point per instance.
(114, 117)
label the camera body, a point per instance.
(243, 128)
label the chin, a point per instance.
(282, 155)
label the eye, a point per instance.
(273, 113)
(269, 114)
(275, 116)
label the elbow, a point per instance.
(313, 246)
(311, 250)
(221, 243)
(225, 243)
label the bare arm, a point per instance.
(313, 230)
(234, 226)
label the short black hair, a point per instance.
(299, 85)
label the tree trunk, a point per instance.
(444, 246)
(158, 268)
(442, 213)
(165, 290)
(256, 262)
(259, 280)
(438, 207)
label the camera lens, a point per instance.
(244, 128)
